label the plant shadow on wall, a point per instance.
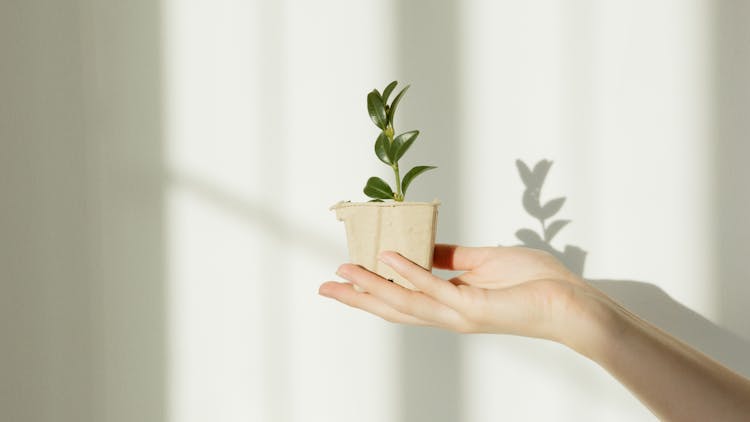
(645, 299)
(572, 256)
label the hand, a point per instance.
(528, 292)
(512, 290)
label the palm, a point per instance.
(499, 268)
(509, 290)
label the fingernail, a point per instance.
(341, 273)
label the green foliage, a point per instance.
(378, 188)
(383, 149)
(387, 91)
(376, 108)
(411, 174)
(389, 148)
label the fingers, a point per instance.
(401, 299)
(443, 291)
(458, 258)
(345, 293)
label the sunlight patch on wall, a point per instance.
(215, 308)
(618, 95)
(251, 174)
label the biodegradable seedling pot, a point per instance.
(405, 227)
(388, 222)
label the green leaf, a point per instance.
(551, 208)
(387, 91)
(375, 200)
(376, 108)
(553, 229)
(401, 144)
(392, 110)
(411, 174)
(382, 148)
(525, 173)
(377, 188)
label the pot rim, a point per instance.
(390, 204)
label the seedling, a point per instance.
(389, 148)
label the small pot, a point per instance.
(405, 227)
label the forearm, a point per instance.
(526, 292)
(675, 381)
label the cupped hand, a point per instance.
(513, 290)
(528, 292)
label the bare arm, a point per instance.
(527, 292)
(675, 381)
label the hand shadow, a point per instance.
(655, 306)
(644, 299)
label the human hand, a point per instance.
(513, 290)
(528, 292)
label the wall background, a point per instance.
(166, 170)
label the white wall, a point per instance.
(167, 171)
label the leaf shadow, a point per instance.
(533, 179)
(646, 300)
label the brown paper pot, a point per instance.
(405, 227)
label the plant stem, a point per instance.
(399, 196)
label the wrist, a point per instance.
(592, 322)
